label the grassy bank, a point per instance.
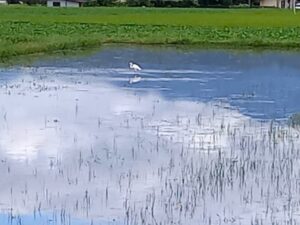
(26, 30)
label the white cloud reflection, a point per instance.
(44, 116)
(96, 150)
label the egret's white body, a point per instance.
(135, 79)
(134, 66)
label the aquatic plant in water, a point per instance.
(294, 120)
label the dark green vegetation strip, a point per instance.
(154, 16)
(31, 30)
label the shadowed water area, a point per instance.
(202, 139)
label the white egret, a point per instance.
(134, 66)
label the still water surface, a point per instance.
(202, 139)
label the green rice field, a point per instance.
(33, 29)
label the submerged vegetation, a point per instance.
(294, 120)
(26, 30)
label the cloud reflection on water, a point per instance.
(50, 123)
(82, 143)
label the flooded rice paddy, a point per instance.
(202, 139)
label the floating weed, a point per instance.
(294, 120)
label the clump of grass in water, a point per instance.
(294, 120)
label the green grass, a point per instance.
(26, 30)
(294, 120)
(151, 16)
